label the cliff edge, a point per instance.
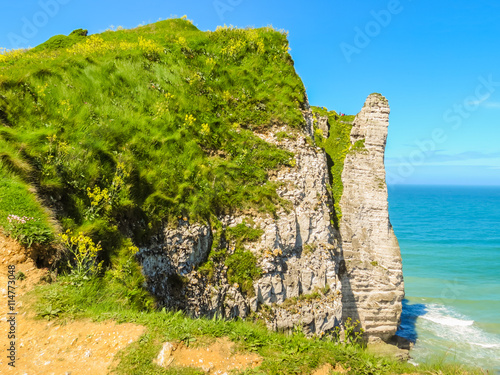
(371, 267)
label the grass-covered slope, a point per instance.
(123, 130)
(336, 145)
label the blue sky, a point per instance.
(438, 63)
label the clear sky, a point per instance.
(438, 63)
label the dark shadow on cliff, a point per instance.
(349, 306)
(333, 215)
(299, 243)
(407, 327)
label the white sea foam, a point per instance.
(447, 320)
(444, 316)
(442, 327)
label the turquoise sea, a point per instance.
(450, 244)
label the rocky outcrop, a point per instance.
(302, 257)
(371, 268)
(173, 256)
(297, 252)
(299, 256)
(322, 123)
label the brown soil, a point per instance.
(217, 358)
(328, 369)
(79, 347)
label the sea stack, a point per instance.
(371, 269)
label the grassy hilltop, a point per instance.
(159, 118)
(106, 138)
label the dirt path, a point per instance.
(42, 347)
(217, 358)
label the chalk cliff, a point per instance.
(310, 275)
(371, 269)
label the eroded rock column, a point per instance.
(371, 271)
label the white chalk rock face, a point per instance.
(371, 269)
(298, 252)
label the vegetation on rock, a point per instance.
(337, 145)
(134, 128)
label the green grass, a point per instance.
(168, 109)
(16, 199)
(337, 145)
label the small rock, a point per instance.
(165, 358)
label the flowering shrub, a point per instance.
(210, 62)
(150, 49)
(189, 120)
(255, 41)
(27, 230)
(353, 331)
(226, 95)
(64, 108)
(19, 220)
(181, 41)
(98, 198)
(40, 89)
(127, 46)
(161, 110)
(163, 107)
(234, 48)
(56, 155)
(205, 129)
(83, 254)
(94, 45)
(104, 199)
(237, 41)
(118, 182)
(318, 134)
(13, 54)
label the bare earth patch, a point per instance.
(218, 358)
(79, 347)
(328, 369)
